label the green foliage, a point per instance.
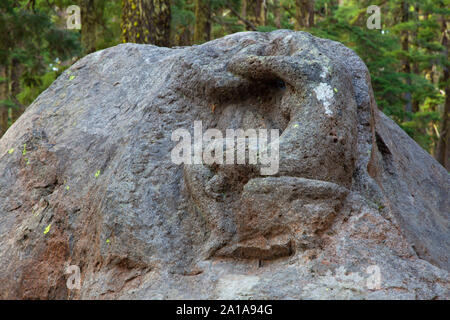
(385, 57)
(30, 42)
(34, 85)
(36, 37)
(32, 38)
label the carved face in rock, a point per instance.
(307, 96)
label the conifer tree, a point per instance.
(146, 21)
(202, 31)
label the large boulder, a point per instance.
(355, 210)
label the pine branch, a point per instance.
(247, 23)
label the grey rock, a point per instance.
(357, 210)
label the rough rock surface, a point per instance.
(86, 179)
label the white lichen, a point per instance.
(324, 94)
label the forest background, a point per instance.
(407, 56)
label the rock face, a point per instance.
(357, 210)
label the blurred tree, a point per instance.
(304, 14)
(277, 13)
(256, 12)
(443, 145)
(89, 18)
(15, 88)
(146, 21)
(29, 41)
(407, 58)
(202, 32)
(3, 98)
(182, 22)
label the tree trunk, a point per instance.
(146, 21)
(299, 15)
(88, 25)
(415, 102)
(277, 13)
(255, 12)
(311, 13)
(15, 74)
(263, 13)
(416, 69)
(304, 14)
(3, 97)
(406, 62)
(244, 8)
(202, 31)
(443, 145)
